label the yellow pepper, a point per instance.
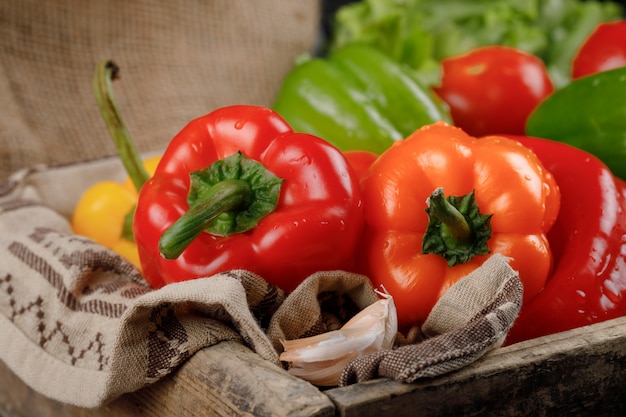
(102, 210)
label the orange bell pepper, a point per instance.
(502, 201)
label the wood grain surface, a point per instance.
(576, 373)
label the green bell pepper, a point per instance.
(357, 99)
(590, 114)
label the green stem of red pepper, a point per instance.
(456, 229)
(106, 71)
(224, 197)
(230, 196)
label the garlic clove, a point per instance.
(328, 346)
(320, 359)
(326, 375)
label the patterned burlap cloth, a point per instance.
(77, 322)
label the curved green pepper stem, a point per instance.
(232, 195)
(451, 218)
(226, 196)
(456, 228)
(106, 71)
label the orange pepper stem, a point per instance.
(451, 218)
(106, 71)
(226, 196)
(456, 229)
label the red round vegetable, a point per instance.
(493, 89)
(604, 49)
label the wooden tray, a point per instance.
(577, 373)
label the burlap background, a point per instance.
(178, 59)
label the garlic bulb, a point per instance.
(320, 359)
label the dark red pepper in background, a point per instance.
(360, 162)
(588, 240)
(603, 50)
(315, 225)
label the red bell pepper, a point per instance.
(588, 241)
(238, 189)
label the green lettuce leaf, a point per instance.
(420, 33)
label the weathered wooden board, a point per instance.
(576, 373)
(227, 379)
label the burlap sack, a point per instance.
(470, 319)
(321, 304)
(178, 60)
(80, 324)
